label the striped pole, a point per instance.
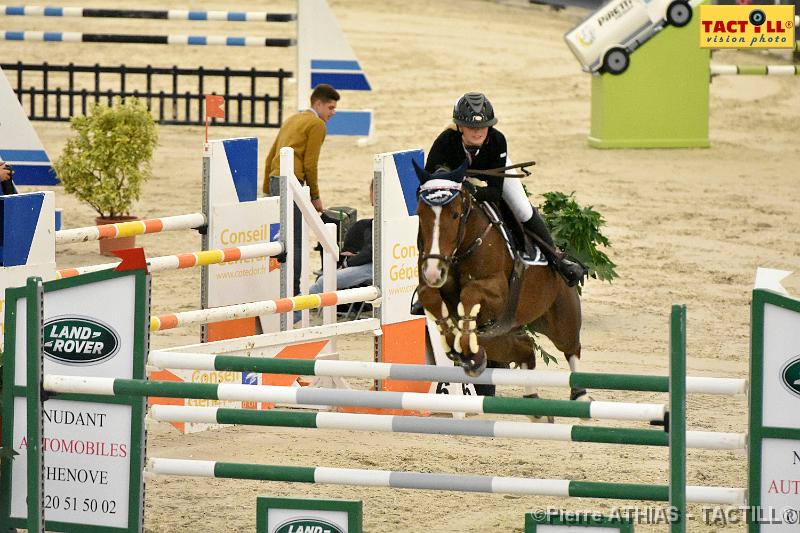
(171, 14)
(449, 482)
(442, 426)
(755, 70)
(440, 403)
(188, 260)
(441, 374)
(129, 229)
(191, 40)
(266, 307)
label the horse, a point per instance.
(467, 284)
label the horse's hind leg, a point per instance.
(532, 392)
(562, 325)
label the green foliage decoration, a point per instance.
(576, 230)
(108, 159)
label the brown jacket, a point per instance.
(305, 133)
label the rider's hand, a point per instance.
(318, 205)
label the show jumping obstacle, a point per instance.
(709, 440)
(120, 388)
(130, 229)
(319, 61)
(755, 70)
(269, 307)
(128, 388)
(189, 40)
(410, 372)
(171, 14)
(189, 260)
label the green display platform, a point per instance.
(661, 101)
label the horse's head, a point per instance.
(441, 210)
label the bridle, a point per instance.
(455, 258)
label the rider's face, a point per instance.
(473, 136)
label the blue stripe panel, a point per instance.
(28, 156)
(198, 15)
(237, 16)
(197, 39)
(274, 231)
(408, 178)
(341, 81)
(19, 215)
(53, 36)
(59, 219)
(15, 10)
(15, 36)
(234, 41)
(35, 175)
(53, 11)
(350, 123)
(334, 64)
(242, 157)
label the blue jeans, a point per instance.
(346, 278)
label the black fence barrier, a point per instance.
(175, 96)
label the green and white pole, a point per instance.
(440, 403)
(677, 418)
(441, 426)
(441, 374)
(34, 317)
(448, 482)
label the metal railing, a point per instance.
(58, 92)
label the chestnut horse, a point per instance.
(465, 268)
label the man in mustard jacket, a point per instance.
(305, 133)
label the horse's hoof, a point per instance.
(542, 419)
(472, 367)
(579, 395)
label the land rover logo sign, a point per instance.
(77, 340)
(790, 375)
(308, 525)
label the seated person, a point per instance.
(6, 184)
(355, 256)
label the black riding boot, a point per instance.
(571, 271)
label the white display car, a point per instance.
(604, 40)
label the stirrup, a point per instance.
(572, 272)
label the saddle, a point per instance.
(524, 253)
(518, 244)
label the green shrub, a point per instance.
(576, 230)
(108, 159)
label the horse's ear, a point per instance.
(422, 174)
(460, 173)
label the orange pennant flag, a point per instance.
(214, 105)
(132, 259)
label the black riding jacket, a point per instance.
(448, 150)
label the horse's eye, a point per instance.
(456, 215)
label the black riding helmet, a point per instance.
(473, 110)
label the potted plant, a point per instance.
(107, 160)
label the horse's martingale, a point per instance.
(464, 273)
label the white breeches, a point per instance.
(514, 195)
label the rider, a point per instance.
(475, 138)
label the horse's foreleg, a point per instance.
(437, 311)
(475, 300)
